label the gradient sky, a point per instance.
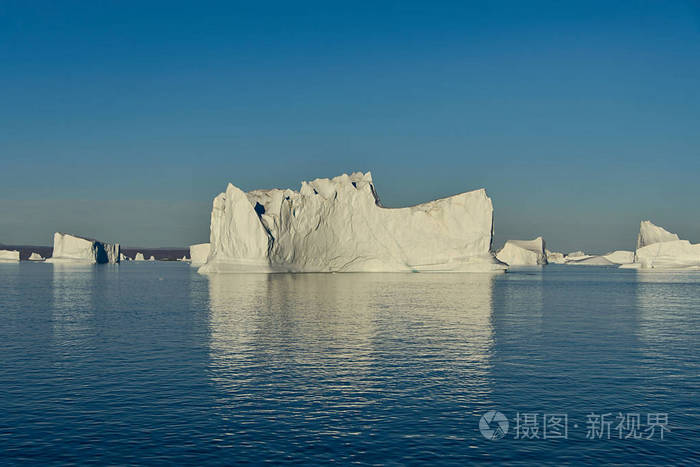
(122, 120)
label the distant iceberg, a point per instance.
(614, 258)
(523, 253)
(576, 256)
(339, 225)
(36, 257)
(555, 257)
(620, 257)
(590, 260)
(9, 255)
(658, 248)
(74, 249)
(199, 253)
(139, 257)
(152, 258)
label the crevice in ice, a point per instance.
(259, 208)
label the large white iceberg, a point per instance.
(658, 248)
(523, 253)
(73, 249)
(9, 255)
(36, 257)
(339, 225)
(199, 253)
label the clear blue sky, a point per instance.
(122, 120)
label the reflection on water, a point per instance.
(663, 311)
(137, 363)
(349, 341)
(73, 287)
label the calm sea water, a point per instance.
(152, 363)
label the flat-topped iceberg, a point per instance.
(139, 257)
(523, 253)
(339, 225)
(658, 248)
(73, 249)
(36, 257)
(199, 253)
(9, 255)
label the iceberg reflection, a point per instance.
(663, 298)
(73, 287)
(342, 338)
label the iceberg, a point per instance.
(576, 256)
(658, 248)
(139, 257)
(589, 260)
(340, 225)
(9, 255)
(620, 257)
(71, 249)
(523, 253)
(650, 234)
(614, 258)
(36, 257)
(555, 257)
(199, 253)
(152, 258)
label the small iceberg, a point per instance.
(615, 258)
(575, 256)
(199, 253)
(620, 257)
(9, 255)
(591, 261)
(69, 248)
(523, 253)
(555, 257)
